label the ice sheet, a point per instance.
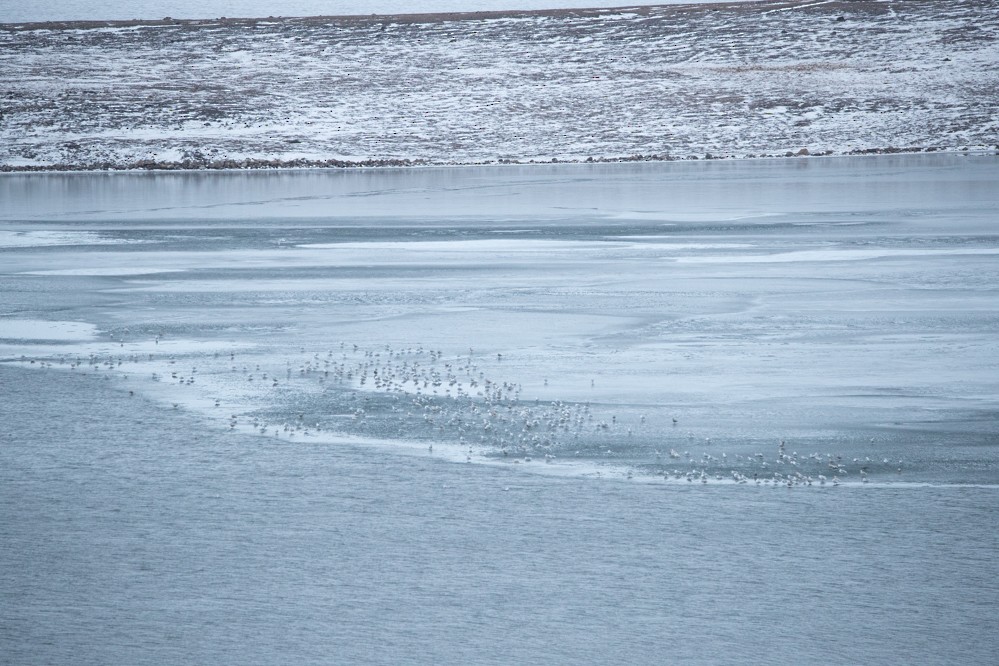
(36, 329)
(394, 307)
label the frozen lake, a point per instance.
(81, 10)
(698, 412)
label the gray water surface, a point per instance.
(822, 331)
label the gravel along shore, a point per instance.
(729, 80)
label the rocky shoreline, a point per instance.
(651, 83)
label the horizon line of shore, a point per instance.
(255, 163)
(416, 17)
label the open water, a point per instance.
(717, 412)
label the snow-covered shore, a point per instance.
(667, 82)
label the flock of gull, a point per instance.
(415, 394)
